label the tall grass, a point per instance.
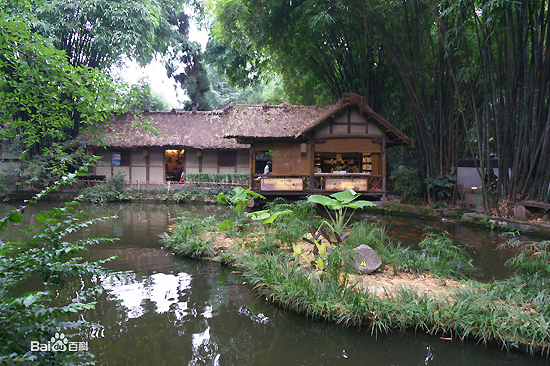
(479, 311)
(191, 237)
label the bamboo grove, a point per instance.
(473, 75)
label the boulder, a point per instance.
(365, 259)
(519, 212)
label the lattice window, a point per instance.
(227, 158)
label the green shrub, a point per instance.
(112, 190)
(237, 178)
(439, 256)
(9, 180)
(191, 194)
(288, 229)
(407, 184)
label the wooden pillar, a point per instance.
(199, 156)
(349, 120)
(111, 162)
(312, 165)
(146, 153)
(251, 165)
(130, 165)
(383, 165)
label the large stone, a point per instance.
(519, 212)
(365, 259)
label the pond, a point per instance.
(173, 311)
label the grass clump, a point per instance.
(191, 237)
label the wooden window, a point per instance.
(120, 158)
(227, 158)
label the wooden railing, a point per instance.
(360, 182)
(179, 185)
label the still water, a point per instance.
(174, 311)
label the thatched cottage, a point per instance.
(315, 148)
(144, 152)
(311, 148)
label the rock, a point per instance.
(519, 213)
(365, 259)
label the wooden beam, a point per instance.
(319, 138)
(147, 164)
(383, 167)
(312, 165)
(251, 165)
(349, 119)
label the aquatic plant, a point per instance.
(267, 217)
(339, 204)
(238, 200)
(289, 229)
(532, 258)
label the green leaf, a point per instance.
(30, 299)
(273, 216)
(225, 224)
(359, 204)
(222, 199)
(15, 217)
(346, 196)
(42, 217)
(259, 215)
(325, 201)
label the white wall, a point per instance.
(468, 177)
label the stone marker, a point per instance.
(365, 259)
(519, 212)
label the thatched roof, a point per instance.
(206, 130)
(197, 129)
(290, 121)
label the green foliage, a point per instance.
(407, 184)
(145, 99)
(339, 203)
(195, 194)
(221, 93)
(112, 190)
(439, 256)
(440, 186)
(289, 229)
(533, 259)
(37, 315)
(302, 42)
(44, 100)
(10, 179)
(239, 200)
(191, 237)
(195, 178)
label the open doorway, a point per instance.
(261, 160)
(174, 164)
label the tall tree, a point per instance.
(40, 92)
(320, 47)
